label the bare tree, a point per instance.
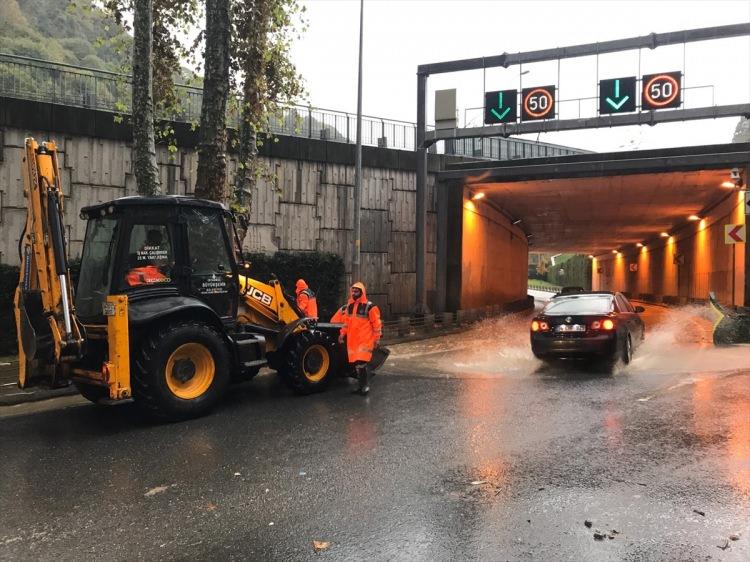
(212, 161)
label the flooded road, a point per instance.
(468, 448)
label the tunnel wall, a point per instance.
(684, 267)
(494, 257)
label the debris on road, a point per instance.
(237, 474)
(588, 523)
(699, 512)
(156, 490)
(723, 546)
(599, 536)
(270, 524)
(478, 482)
(211, 507)
(734, 537)
(302, 473)
(318, 546)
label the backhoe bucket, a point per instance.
(730, 327)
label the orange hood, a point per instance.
(361, 286)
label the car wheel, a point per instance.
(627, 350)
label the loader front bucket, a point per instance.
(730, 327)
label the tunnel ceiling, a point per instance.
(596, 215)
(594, 203)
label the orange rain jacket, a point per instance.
(306, 300)
(362, 327)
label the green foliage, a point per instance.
(8, 283)
(62, 31)
(323, 272)
(577, 272)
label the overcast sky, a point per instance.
(401, 34)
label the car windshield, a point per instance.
(584, 304)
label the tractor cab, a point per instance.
(172, 249)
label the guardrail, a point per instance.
(408, 328)
(544, 287)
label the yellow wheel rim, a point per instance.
(190, 371)
(315, 363)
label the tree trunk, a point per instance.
(211, 182)
(144, 147)
(251, 113)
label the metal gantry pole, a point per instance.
(421, 222)
(356, 267)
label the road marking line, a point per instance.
(9, 384)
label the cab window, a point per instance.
(206, 245)
(150, 258)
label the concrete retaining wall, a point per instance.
(307, 206)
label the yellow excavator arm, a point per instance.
(48, 331)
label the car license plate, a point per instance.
(570, 328)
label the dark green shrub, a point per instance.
(8, 283)
(324, 273)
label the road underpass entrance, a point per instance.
(655, 224)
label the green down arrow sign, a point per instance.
(617, 95)
(617, 105)
(500, 107)
(505, 111)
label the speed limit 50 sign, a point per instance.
(538, 103)
(661, 91)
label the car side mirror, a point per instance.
(640, 309)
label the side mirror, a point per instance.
(640, 309)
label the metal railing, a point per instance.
(59, 83)
(65, 84)
(408, 328)
(544, 287)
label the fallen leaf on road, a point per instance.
(723, 546)
(211, 507)
(478, 482)
(587, 523)
(598, 536)
(699, 512)
(321, 545)
(157, 490)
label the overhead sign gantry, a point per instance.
(536, 111)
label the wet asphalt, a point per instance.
(466, 449)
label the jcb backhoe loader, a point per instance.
(163, 312)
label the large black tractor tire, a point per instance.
(309, 362)
(180, 370)
(92, 393)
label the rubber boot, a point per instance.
(364, 388)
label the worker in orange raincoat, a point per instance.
(306, 300)
(362, 330)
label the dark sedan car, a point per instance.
(588, 325)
